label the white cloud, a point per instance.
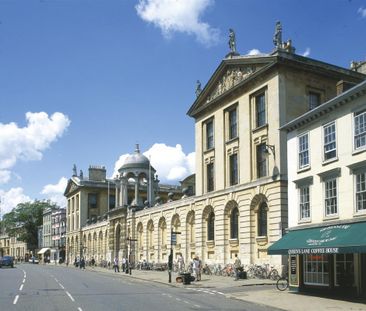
(307, 52)
(55, 192)
(171, 163)
(29, 142)
(179, 16)
(10, 199)
(362, 12)
(253, 52)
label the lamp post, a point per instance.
(173, 241)
(129, 239)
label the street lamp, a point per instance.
(173, 241)
(130, 240)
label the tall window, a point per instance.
(304, 202)
(331, 197)
(211, 227)
(314, 100)
(260, 108)
(316, 269)
(345, 274)
(304, 150)
(92, 200)
(330, 150)
(262, 219)
(234, 223)
(261, 161)
(209, 135)
(233, 169)
(233, 127)
(361, 191)
(112, 201)
(210, 177)
(360, 130)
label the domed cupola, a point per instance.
(135, 161)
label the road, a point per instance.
(45, 287)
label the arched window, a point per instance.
(211, 227)
(234, 223)
(262, 219)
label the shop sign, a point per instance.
(293, 270)
(320, 250)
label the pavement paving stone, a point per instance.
(286, 300)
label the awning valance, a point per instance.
(43, 250)
(335, 239)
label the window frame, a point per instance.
(311, 95)
(328, 198)
(211, 226)
(328, 141)
(233, 169)
(210, 177)
(234, 223)
(262, 166)
(233, 123)
(304, 204)
(303, 153)
(262, 220)
(360, 192)
(362, 136)
(260, 109)
(210, 134)
(319, 269)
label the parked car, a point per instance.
(33, 260)
(7, 261)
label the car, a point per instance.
(33, 260)
(7, 261)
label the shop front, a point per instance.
(327, 259)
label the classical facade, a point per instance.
(327, 196)
(240, 201)
(10, 246)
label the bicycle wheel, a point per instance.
(282, 284)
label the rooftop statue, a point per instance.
(277, 37)
(198, 88)
(232, 41)
(74, 171)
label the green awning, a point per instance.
(335, 239)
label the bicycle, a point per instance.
(282, 283)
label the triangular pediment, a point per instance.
(71, 187)
(227, 76)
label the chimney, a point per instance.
(97, 173)
(343, 86)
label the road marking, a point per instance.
(185, 301)
(68, 294)
(178, 299)
(197, 306)
(61, 286)
(21, 287)
(220, 293)
(80, 309)
(15, 299)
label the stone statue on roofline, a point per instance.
(277, 37)
(198, 88)
(232, 41)
(74, 171)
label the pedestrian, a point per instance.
(115, 264)
(124, 264)
(237, 266)
(197, 267)
(180, 263)
(82, 263)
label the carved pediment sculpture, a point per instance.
(231, 78)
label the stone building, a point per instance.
(327, 196)
(10, 246)
(240, 201)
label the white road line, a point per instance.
(56, 280)
(178, 299)
(23, 281)
(21, 287)
(61, 286)
(15, 299)
(197, 306)
(220, 293)
(207, 292)
(80, 309)
(68, 294)
(185, 301)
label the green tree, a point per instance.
(23, 221)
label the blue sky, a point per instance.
(83, 81)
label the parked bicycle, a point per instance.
(282, 283)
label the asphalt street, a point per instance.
(46, 287)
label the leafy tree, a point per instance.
(23, 221)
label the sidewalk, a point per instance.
(270, 297)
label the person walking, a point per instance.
(124, 264)
(115, 264)
(180, 263)
(197, 268)
(237, 266)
